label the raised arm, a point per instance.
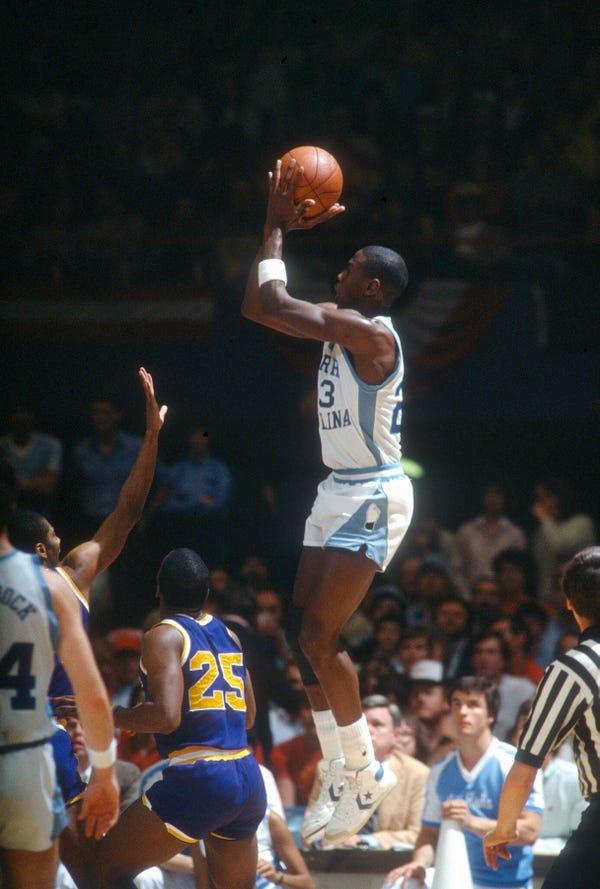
(101, 801)
(88, 559)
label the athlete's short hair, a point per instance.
(581, 583)
(26, 529)
(390, 268)
(183, 579)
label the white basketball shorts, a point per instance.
(358, 509)
(32, 812)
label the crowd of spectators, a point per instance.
(134, 155)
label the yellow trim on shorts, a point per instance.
(189, 755)
(74, 799)
(220, 836)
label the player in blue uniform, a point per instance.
(37, 615)
(199, 701)
(362, 509)
(32, 532)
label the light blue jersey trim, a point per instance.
(372, 473)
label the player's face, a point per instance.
(469, 712)
(351, 283)
(52, 544)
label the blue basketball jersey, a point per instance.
(213, 709)
(60, 684)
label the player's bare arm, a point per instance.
(161, 711)
(89, 559)
(100, 807)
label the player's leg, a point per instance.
(138, 840)
(330, 585)
(232, 863)
(76, 850)
(35, 870)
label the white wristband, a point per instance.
(103, 759)
(271, 270)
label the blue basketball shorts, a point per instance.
(67, 775)
(224, 798)
(359, 509)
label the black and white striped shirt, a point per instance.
(567, 701)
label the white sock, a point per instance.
(357, 744)
(327, 733)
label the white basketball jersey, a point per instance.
(28, 637)
(359, 423)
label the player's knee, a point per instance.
(292, 636)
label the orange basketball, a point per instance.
(321, 180)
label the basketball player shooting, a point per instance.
(362, 509)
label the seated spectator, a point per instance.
(36, 458)
(560, 621)
(126, 646)
(563, 804)
(535, 616)
(191, 507)
(520, 642)
(562, 530)
(481, 538)
(411, 738)
(427, 701)
(283, 724)
(269, 620)
(485, 602)
(465, 787)
(388, 633)
(514, 571)
(294, 762)
(396, 821)
(489, 660)
(452, 618)
(433, 583)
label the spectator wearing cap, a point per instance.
(126, 645)
(427, 702)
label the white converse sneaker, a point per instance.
(363, 792)
(332, 784)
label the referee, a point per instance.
(567, 701)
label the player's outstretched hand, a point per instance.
(282, 211)
(100, 807)
(155, 416)
(495, 846)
